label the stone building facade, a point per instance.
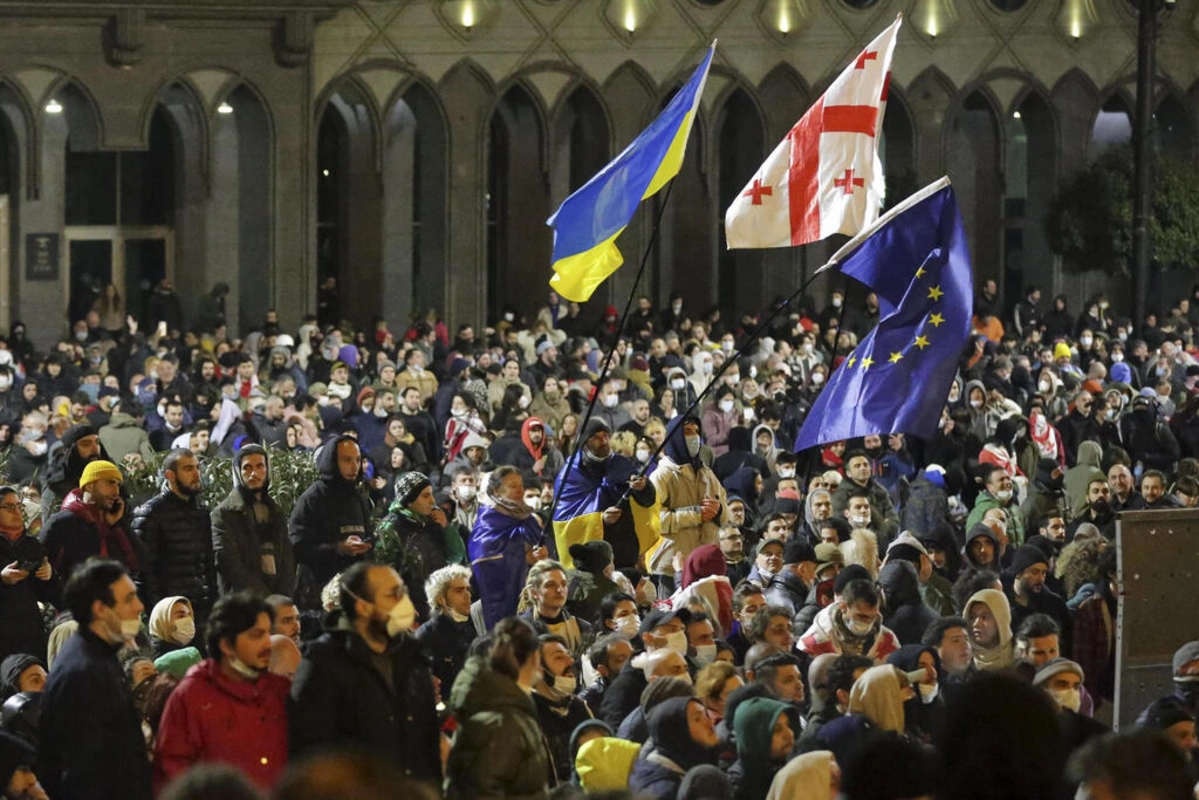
(413, 149)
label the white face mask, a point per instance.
(836, 302)
(857, 627)
(726, 347)
(628, 626)
(401, 617)
(706, 368)
(1069, 699)
(817, 378)
(976, 403)
(859, 520)
(786, 472)
(928, 693)
(677, 642)
(524, 401)
(466, 493)
(185, 630)
(1085, 341)
(611, 400)
(677, 384)
(243, 669)
(726, 406)
(693, 445)
(643, 456)
(1044, 386)
(458, 413)
(565, 684)
(1117, 357)
(1122, 336)
(5, 383)
(1004, 494)
(806, 348)
(705, 654)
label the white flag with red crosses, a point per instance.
(825, 177)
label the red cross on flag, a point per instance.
(825, 176)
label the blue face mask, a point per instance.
(92, 390)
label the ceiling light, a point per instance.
(54, 107)
(224, 108)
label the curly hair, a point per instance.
(1079, 564)
(439, 582)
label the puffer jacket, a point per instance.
(246, 549)
(499, 750)
(176, 539)
(682, 483)
(339, 698)
(329, 510)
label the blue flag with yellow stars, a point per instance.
(915, 259)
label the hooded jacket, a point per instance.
(754, 723)
(329, 510)
(66, 467)
(981, 529)
(499, 750)
(924, 720)
(808, 775)
(877, 695)
(682, 482)
(1000, 656)
(122, 436)
(659, 771)
(251, 554)
(176, 539)
(1079, 476)
(907, 614)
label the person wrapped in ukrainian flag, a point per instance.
(589, 491)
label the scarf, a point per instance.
(1044, 436)
(851, 643)
(114, 543)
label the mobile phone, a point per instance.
(30, 566)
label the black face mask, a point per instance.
(1188, 689)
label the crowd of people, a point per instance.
(558, 557)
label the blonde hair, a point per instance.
(534, 580)
(862, 549)
(710, 681)
(624, 443)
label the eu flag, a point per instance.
(587, 223)
(915, 259)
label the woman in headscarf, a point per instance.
(812, 776)
(172, 625)
(924, 711)
(701, 370)
(764, 446)
(746, 483)
(683, 737)
(990, 618)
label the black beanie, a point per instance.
(594, 426)
(591, 556)
(1046, 468)
(853, 572)
(1025, 557)
(797, 551)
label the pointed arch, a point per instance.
(974, 148)
(1174, 128)
(785, 96)
(897, 148)
(740, 144)
(580, 140)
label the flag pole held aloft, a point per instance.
(916, 260)
(587, 223)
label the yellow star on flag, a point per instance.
(851, 360)
(921, 342)
(866, 362)
(895, 357)
(934, 293)
(920, 272)
(936, 320)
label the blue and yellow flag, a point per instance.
(583, 494)
(587, 223)
(916, 261)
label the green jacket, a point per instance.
(938, 595)
(1015, 520)
(499, 750)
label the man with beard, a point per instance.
(1098, 511)
(250, 544)
(588, 493)
(559, 709)
(365, 683)
(419, 422)
(80, 446)
(175, 532)
(91, 523)
(1027, 594)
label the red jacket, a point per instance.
(210, 717)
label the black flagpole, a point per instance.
(611, 356)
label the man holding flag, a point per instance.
(590, 491)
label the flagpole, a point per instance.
(754, 335)
(612, 356)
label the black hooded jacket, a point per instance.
(251, 554)
(329, 510)
(66, 468)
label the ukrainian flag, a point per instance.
(587, 223)
(582, 498)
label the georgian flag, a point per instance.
(825, 177)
